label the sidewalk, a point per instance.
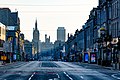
(5, 64)
(109, 68)
(99, 66)
(105, 67)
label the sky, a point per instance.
(50, 15)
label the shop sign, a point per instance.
(3, 58)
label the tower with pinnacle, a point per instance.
(35, 40)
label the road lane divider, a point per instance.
(58, 75)
(114, 76)
(68, 76)
(31, 76)
(81, 77)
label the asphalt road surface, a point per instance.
(53, 70)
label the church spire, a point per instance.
(36, 25)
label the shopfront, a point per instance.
(93, 57)
(86, 57)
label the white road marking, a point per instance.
(68, 76)
(115, 76)
(58, 75)
(81, 77)
(56, 79)
(5, 71)
(31, 76)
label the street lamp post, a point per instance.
(102, 33)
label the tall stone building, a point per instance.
(28, 49)
(47, 45)
(2, 38)
(9, 18)
(115, 19)
(46, 49)
(12, 23)
(5, 16)
(61, 32)
(36, 42)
